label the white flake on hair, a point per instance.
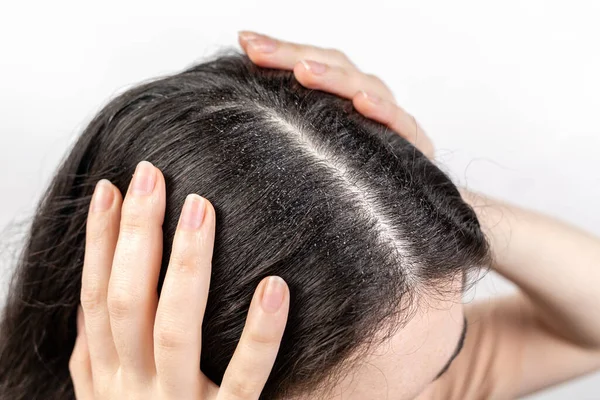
(387, 233)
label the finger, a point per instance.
(102, 231)
(396, 118)
(80, 366)
(178, 326)
(132, 297)
(272, 53)
(337, 80)
(255, 354)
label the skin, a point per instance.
(544, 334)
(130, 345)
(403, 366)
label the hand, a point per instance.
(331, 71)
(130, 344)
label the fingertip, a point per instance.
(248, 34)
(302, 65)
(160, 178)
(305, 76)
(161, 188)
(258, 57)
(243, 43)
(273, 294)
(209, 205)
(118, 197)
(359, 98)
(104, 211)
(192, 213)
(209, 214)
(103, 196)
(364, 105)
(370, 98)
(245, 36)
(257, 349)
(300, 70)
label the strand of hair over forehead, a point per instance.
(365, 201)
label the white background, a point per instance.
(508, 90)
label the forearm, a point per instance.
(556, 266)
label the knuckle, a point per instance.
(354, 79)
(138, 215)
(339, 54)
(300, 50)
(121, 304)
(342, 57)
(74, 364)
(374, 78)
(134, 223)
(184, 254)
(77, 361)
(253, 348)
(241, 388)
(91, 298)
(170, 338)
(97, 228)
(260, 341)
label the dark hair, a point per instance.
(351, 215)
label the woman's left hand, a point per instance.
(331, 71)
(553, 315)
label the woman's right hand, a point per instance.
(130, 344)
(330, 70)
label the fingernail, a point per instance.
(103, 196)
(144, 178)
(80, 320)
(315, 67)
(193, 212)
(263, 44)
(371, 97)
(273, 294)
(247, 35)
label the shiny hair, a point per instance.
(354, 218)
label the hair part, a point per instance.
(354, 218)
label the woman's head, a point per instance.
(373, 239)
